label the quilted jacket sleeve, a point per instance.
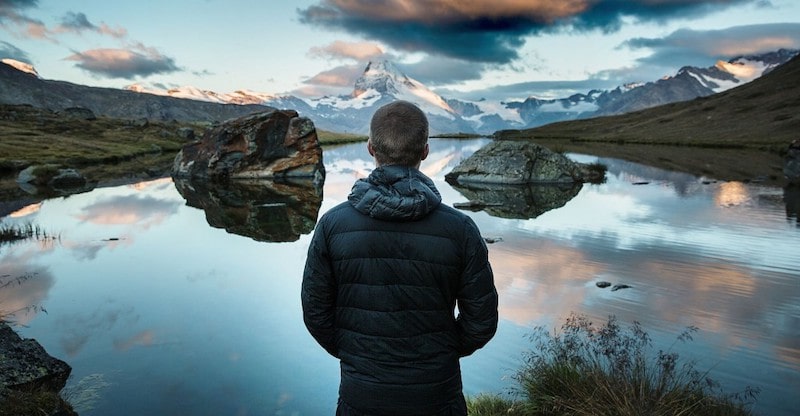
(477, 296)
(318, 292)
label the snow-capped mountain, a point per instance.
(383, 82)
(692, 82)
(737, 71)
(22, 66)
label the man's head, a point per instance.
(398, 135)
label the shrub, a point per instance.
(609, 370)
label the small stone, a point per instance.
(603, 284)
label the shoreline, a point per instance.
(723, 164)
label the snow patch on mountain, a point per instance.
(745, 70)
(194, 93)
(21, 66)
(490, 107)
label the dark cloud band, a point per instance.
(478, 33)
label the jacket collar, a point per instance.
(395, 193)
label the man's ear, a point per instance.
(425, 152)
(370, 149)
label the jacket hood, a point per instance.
(395, 193)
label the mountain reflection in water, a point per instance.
(152, 288)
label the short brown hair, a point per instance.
(398, 133)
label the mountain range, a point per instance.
(383, 82)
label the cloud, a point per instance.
(341, 76)
(12, 16)
(78, 23)
(138, 61)
(438, 70)
(693, 47)
(489, 32)
(11, 10)
(8, 50)
(359, 51)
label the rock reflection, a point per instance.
(516, 201)
(263, 210)
(791, 196)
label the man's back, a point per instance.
(397, 279)
(384, 274)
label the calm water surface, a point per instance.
(160, 313)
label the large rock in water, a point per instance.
(518, 162)
(269, 145)
(25, 365)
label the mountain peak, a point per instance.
(21, 66)
(380, 76)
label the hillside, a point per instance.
(739, 134)
(20, 87)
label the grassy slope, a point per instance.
(36, 136)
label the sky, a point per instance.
(468, 49)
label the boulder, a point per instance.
(791, 163)
(61, 180)
(519, 162)
(25, 365)
(275, 144)
(67, 179)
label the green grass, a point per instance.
(610, 370)
(329, 137)
(107, 148)
(38, 136)
(457, 136)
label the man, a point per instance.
(384, 273)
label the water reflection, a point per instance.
(263, 210)
(23, 287)
(518, 201)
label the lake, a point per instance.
(172, 299)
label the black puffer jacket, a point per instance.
(383, 276)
